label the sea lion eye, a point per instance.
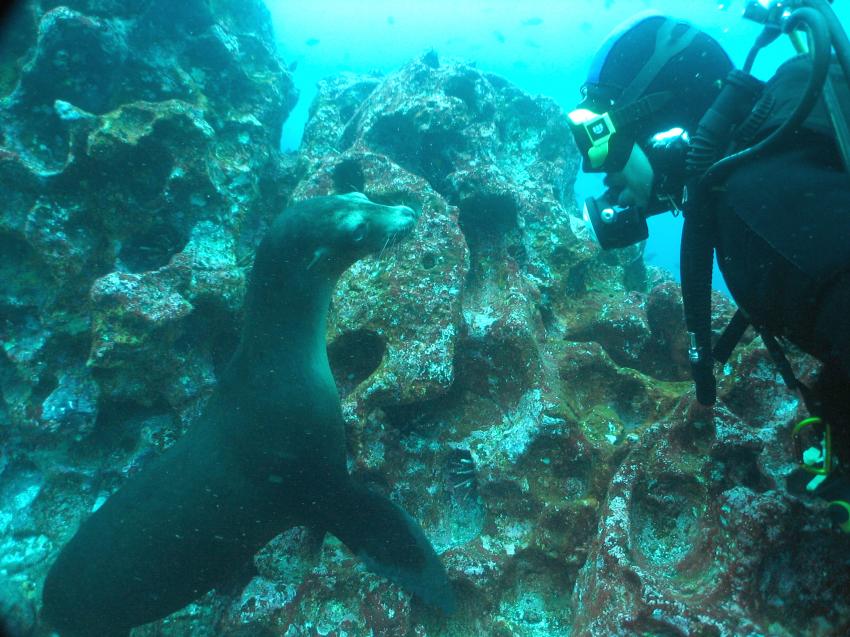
(359, 232)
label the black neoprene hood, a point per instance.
(693, 74)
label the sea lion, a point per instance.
(267, 453)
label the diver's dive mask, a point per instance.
(602, 146)
(605, 138)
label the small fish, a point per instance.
(390, 20)
(499, 36)
(532, 22)
(585, 27)
(312, 41)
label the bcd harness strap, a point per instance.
(732, 334)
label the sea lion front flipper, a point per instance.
(390, 543)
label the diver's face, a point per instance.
(632, 186)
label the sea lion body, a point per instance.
(267, 453)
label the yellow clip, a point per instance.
(799, 41)
(823, 464)
(844, 526)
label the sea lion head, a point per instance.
(359, 226)
(330, 233)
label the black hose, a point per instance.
(695, 269)
(841, 45)
(821, 54)
(716, 127)
(768, 34)
(712, 136)
(839, 37)
(751, 58)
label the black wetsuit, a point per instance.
(783, 243)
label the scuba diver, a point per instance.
(759, 171)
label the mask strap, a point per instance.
(641, 109)
(666, 48)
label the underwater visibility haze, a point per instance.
(305, 330)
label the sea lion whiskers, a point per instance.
(384, 247)
(318, 255)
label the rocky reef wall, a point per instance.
(523, 395)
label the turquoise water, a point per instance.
(532, 417)
(542, 46)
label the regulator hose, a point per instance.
(696, 264)
(840, 41)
